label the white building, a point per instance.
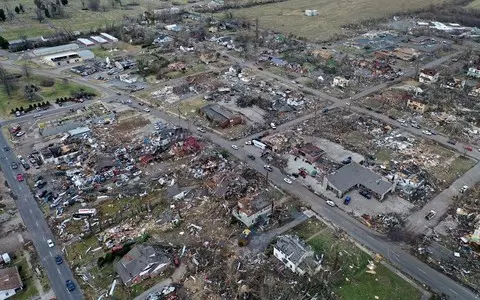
(85, 42)
(109, 37)
(297, 255)
(99, 39)
(474, 71)
(10, 282)
(428, 76)
(250, 210)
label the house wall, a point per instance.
(417, 106)
(283, 258)
(474, 72)
(424, 78)
(62, 62)
(250, 220)
(7, 294)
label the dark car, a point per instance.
(14, 165)
(41, 184)
(251, 157)
(6, 148)
(452, 142)
(70, 285)
(42, 194)
(391, 117)
(366, 194)
(26, 166)
(58, 260)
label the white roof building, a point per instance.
(85, 42)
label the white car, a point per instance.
(37, 115)
(201, 129)
(463, 189)
(426, 132)
(248, 142)
(235, 147)
(146, 109)
(331, 203)
(20, 133)
(287, 180)
(50, 244)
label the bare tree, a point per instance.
(40, 15)
(26, 71)
(6, 81)
(94, 5)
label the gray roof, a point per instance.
(56, 49)
(139, 259)
(352, 174)
(293, 247)
(216, 112)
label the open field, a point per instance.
(351, 281)
(474, 4)
(289, 17)
(18, 99)
(25, 24)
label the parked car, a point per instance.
(19, 134)
(70, 285)
(50, 243)
(366, 194)
(463, 189)
(331, 203)
(452, 142)
(6, 149)
(468, 148)
(58, 260)
(287, 180)
(201, 129)
(14, 166)
(268, 168)
(235, 147)
(20, 177)
(251, 157)
(146, 109)
(415, 125)
(248, 142)
(431, 214)
(426, 132)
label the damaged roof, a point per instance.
(352, 174)
(293, 247)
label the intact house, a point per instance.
(474, 71)
(10, 282)
(143, 261)
(297, 255)
(219, 116)
(353, 176)
(417, 104)
(428, 76)
(254, 209)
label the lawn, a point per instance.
(289, 17)
(384, 284)
(448, 173)
(29, 289)
(351, 262)
(82, 20)
(190, 107)
(59, 89)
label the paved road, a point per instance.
(37, 227)
(369, 238)
(400, 258)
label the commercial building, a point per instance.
(353, 176)
(69, 57)
(109, 37)
(85, 42)
(99, 39)
(143, 261)
(53, 50)
(310, 152)
(10, 282)
(219, 116)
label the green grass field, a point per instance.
(351, 280)
(25, 24)
(289, 17)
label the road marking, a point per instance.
(58, 270)
(453, 292)
(422, 271)
(36, 222)
(30, 210)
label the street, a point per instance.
(401, 259)
(38, 229)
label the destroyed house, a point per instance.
(417, 104)
(251, 210)
(353, 176)
(428, 76)
(310, 152)
(143, 261)
(453, 83)
(219, 116)
(57, 154)
(297, 255)
(474, 71)
(10, 282)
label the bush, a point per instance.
(47, 82)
